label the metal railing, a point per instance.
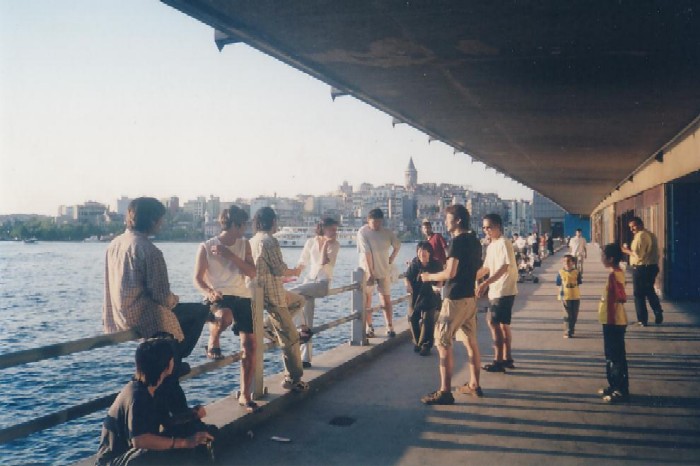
(357, 337)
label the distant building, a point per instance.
(91, 212)
(123, 205)
(411, 176)
(548, 216)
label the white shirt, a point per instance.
(376, 243)
(498, 253)
(312, 259)
(223, 275)
(520, 243)
(577, 245)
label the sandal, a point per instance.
(251, 406)
(214, 353)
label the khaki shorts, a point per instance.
(457, 318)
(383, 284)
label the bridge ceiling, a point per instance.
(567, 97)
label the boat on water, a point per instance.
(295, 237)
(30, 241)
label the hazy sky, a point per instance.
(102, 99)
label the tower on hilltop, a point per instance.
(411, 175)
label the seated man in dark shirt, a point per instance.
(131, 433)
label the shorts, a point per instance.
(501, 309)
(457, 318)
(242, 311)
(383, 285)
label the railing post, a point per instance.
(259, 389)
(357, 329)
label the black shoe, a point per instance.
(306, 365)
(605, 391)
(425, 350)
(509, 364)
(438, 398)
(416, 348)
(496, 366)
(659, 319)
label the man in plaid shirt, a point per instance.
(271, 269)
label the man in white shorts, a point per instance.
(373, 244)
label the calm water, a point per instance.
(52, 292)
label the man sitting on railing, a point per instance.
(319, 255)
(137, 293)
(131, 433)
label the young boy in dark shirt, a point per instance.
(425, 301)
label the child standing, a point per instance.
(425, 302)
(611, 314)
(569, 278)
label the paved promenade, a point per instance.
(544, 411)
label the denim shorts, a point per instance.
(501, 309)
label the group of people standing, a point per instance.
(150, 419)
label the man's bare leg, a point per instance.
(247, 364)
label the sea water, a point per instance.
(51, 292)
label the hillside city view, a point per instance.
(404, 206)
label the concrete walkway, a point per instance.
(545, 410)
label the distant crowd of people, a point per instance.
(151, 422)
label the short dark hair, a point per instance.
(570, 257)
(143, 214)
(426, 246)
(614, 252)
(264, 219)
(460, 213)
(152, 358)
(234, 215)
(376, 214)
(426, 223)
(638, 221)
(578, 229)
(325, 223)
(494, 219)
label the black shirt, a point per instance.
(133, 413)
(466, 249)
(422, 292)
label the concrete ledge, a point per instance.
(234, 420)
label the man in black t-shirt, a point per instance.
(131, 431)
(458, 313)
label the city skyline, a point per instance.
(97, 102)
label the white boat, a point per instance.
(295, 237)
(92, 239)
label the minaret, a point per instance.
(411, 175)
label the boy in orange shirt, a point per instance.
(569, 278)
(611, 313)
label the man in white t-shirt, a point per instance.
(502, 271)
(373, 244)
(318, 258)
(577, 248)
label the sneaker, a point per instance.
(416, 348)
(616, 397)
(390, 332)
(295, 385)
(425, 350)
(467, 389)
(509, 364)
(605, 391)
(496, 366)
(642, 324)
(659, 319)
(438, 398)
(306, 365)
(370, 332)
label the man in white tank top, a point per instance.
(223, 268)
(318, 257)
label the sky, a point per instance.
(101, 99)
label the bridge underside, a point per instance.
(568, 98)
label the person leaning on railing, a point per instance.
(137, 293)
(131, 432)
